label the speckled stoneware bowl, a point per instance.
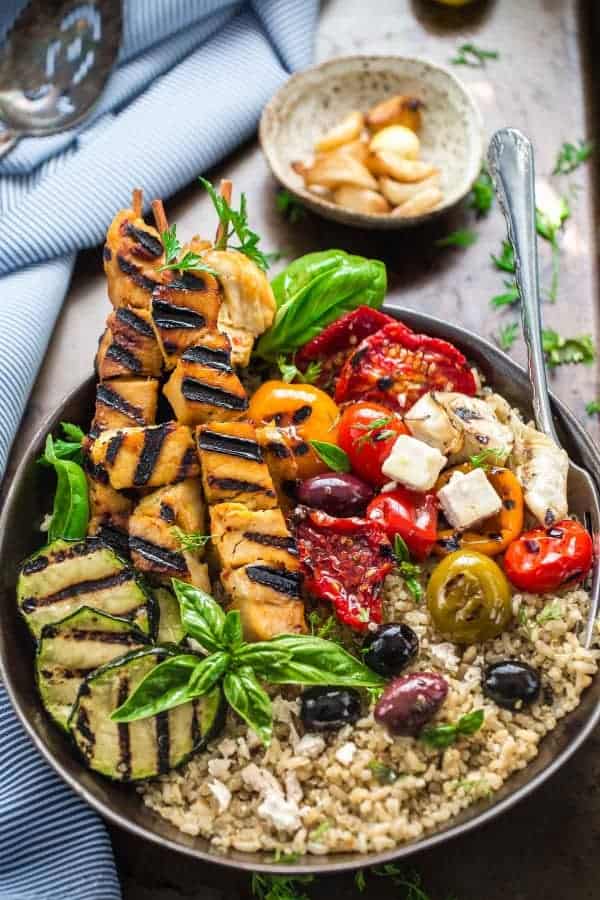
(313, 101)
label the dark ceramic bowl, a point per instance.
(30, 498)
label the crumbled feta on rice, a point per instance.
(414, 464)
(345, 753)
(283, 814)
(221, 793)
(468, 499)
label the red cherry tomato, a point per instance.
(545, 559)
(411, 515)
(367, 433)
(395, 366)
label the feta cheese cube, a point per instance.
(429, 422)
(413, 463)
(468, 499)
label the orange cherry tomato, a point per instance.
(494, 534)
(303, 408)
(367, 434)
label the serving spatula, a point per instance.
(511, 165)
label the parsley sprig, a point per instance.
(189, 260)
(592, 407)
(464, 237)
(407, 569)
(507, 335)
(509, 297)
(506, 260)
(491, 456)
(474, 56)
(290, 372)
(481, 197)
(571, 156)
(234, 223)
(562, 351)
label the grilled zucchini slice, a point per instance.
(70, 650)
(66, 575)
(149, 747)
(170, 629)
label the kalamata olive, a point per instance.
(329, 708)
(511, 683)
(389, 649)
(337, 494)
(408, 702)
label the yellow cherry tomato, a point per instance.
(303, 408)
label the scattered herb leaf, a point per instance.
(407, 570)
(548, 222)
(507, 335)
(279, 887)
(409, 880)
(491, 456)
(384, 774)
(360, 880)
(235, 224)
(474, 56)
(510, 297)
(190, 541)
(332, 455)
(290, 207)
(506, 260)
(464, 237)
(319, 831)
(571, 156)
(566, 351)
(550, 613)
(288, 858)
(475, 785)
(189, 261)
(442, 736)
(592, 407)
(374, 426)
(481, 197)
(290, 372)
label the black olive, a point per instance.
(329, 708)
(390, 649)
(511, 683)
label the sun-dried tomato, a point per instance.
(395, 366)
(334, 345)
(344, 561)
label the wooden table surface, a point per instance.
(546, 847)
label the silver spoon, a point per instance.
(54, 64)
(510, 159)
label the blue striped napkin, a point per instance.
(193, 76)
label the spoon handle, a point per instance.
(510, 159)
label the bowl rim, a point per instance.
(332, 210)
(353, 861)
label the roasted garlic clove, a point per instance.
(397, 110)
(385, 162)
(397, 192)
(397, 139)
(420, 204)
(347, 130)
(333, 169)
(361, 200)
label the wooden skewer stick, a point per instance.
(225, 190)
(137, 202)
(160, 216)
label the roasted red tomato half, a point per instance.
(367, 432)
(337, 341)
(395, 366)
(411, 515)
(545, 559)
(345, 562)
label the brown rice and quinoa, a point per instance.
(316, 793)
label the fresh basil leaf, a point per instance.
(250, 701)
(312, 661)
(232, 630)
(73, 432)
(67, 447)
(314, 291)
(71, 509)
(261, 655)
(165, 686)
(207, 673)
(439, 736)
(332, 455)
(201, 616)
